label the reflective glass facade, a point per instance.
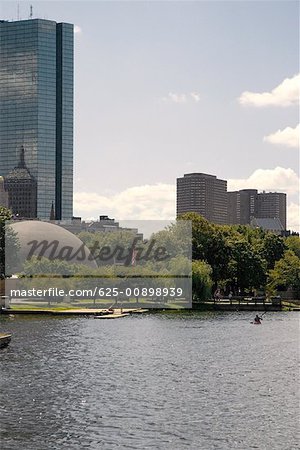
(36, 108)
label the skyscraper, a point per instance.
(272, 205)
(242, 206)
(36, 108)
(247, 204)
(204, 194)
(21, 189)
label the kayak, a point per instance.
(256, 323)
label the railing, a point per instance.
(242, 300)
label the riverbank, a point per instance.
(86, 309)
(73, 312)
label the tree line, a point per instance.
(235, 259)
(241, 259)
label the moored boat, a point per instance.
(111, 316)
(4, 340)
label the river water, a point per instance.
(158, 381)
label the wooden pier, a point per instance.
(4, 340)
(75, 312)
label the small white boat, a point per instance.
(111, 316)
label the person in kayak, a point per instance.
(257, 319)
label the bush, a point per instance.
(202, 282)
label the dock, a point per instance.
(251, 304)
(4, 340)
(75, 312)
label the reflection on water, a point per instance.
(161, 381)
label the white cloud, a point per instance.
(288, 137)
(285, 94)
(195, 96)
(177, 98)
(278, 179)
(293, 217)
(77, 29)
(140, 202)
(182, 98)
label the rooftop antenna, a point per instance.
(18, 11)
(30, 12)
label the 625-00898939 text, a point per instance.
(141, 292)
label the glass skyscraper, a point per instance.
(36, 108)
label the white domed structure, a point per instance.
(44, 239)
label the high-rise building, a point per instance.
(248, 204)
(272, 205)
(21, 188)
(242, 206)
(36, 108)
(204, 194)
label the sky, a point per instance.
(167, 88)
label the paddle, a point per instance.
(261, 318)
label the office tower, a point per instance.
(247, 204)
(204, 194)
(36, 108)
(21, 189)
(272, 205)
(242, 206)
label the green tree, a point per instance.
(293, 243)
(179, 265)
(5, 215)
(210, 244)
(286, 273)
(44, 267)
(271, 248)
(202, 282)
(202, 232)
(7, 237)
(218, 255)
(117, 243)
(247, 268)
